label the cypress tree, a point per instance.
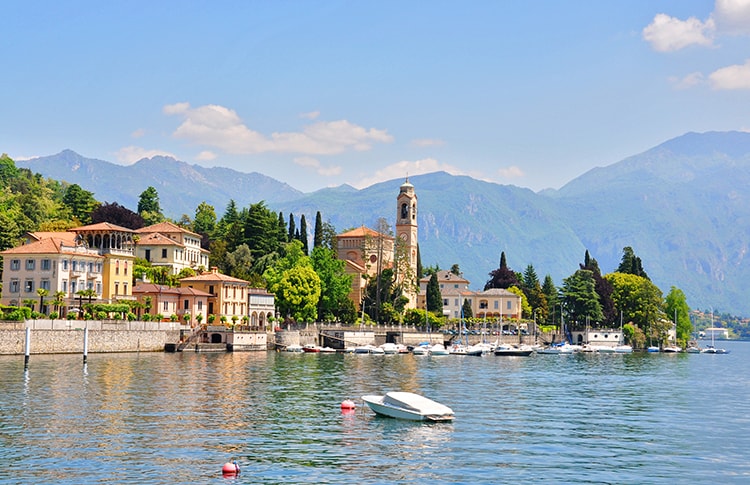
(292, 228)
(303, 234)
(318, 237)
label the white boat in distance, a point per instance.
(407, 405)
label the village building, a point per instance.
(97, 257)
(494, 303)
(166, 301)
(167, 244)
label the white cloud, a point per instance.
(427, 142)
(130, 155)
(667, 34)
(407, 168)
(731, 77)
(139, 133)
(512, 172)
(732, 16)
(221, 127)
(314, 163)
(205, 156)
(311, 115)
(692, 79)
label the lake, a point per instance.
(158, 418)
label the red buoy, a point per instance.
(230, 468)
(348, 404)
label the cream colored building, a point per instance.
(454, 290)
(54, 264)
(167, 244)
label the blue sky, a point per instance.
(320, 93)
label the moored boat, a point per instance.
(407, 405)
(513, 351)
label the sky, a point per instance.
(323, 93)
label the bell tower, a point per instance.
(406, 231)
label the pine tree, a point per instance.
(433, 296)
(292, 228)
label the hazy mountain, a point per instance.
(683, 207)
(181, 186)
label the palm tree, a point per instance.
(59, 301)
(29, 302)
(89, 293)
(42, 292)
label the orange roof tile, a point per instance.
(362, 232)
(165, 228)
(102, 226)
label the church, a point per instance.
(367, 252)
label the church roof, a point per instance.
(361, 232)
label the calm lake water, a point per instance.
(159, 418)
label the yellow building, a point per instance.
(167, 244)
(229, 295)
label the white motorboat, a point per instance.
(389, 348)
(672, 349)
(623, 349)
(294, 348)
(513, 351)
(364, 349)
(407, 405)
(421, 350)
(439, 349)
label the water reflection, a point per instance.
(176, 418)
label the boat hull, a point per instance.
(421, 408)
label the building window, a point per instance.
(126, 269)
(98, 267)
(165, 306)
(455, 302)
(117, 288)
(14, 286)
(164, 253)
(28, 286)
(65, 286)
(496, 304)
(211, 290)
(508, 305)
(125, 288)
(75, 265)
(186, 305)
(91, 267)
(445, 302)
(30, 264)
(44, 284)
(98, 288)
(46, 265)
(15, 264)
(65, 265)
(73, 287)
(117, 267)
(200, 305)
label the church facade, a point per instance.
(367, 252)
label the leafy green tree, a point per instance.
(580, 298)
(639, 300)
(297, 292)
(502, 277)
(239, 263)
(80, 202)
(205, 219)
(676, 306)
(335, 283)
(526, 310)
(534, 294)
(261, 230)
(148, 206)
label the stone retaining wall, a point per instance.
(67, 341)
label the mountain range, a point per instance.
(682, 206)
